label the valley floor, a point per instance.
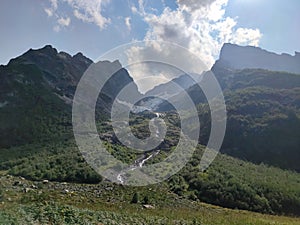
(34, 202)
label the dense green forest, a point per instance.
(263, 115)
(263, 126)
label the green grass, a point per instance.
(228, 182)
(47, 205)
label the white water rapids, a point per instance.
(140, 161)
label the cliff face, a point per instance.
(242, 57)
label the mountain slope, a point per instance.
(36, 94)
(263, 109)
(228, 182)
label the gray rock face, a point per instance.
(167, 89)
(243, 57)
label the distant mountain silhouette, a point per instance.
(248, 57)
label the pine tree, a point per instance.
(135, 198)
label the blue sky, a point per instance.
(96, 26)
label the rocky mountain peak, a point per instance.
(79, 57)
(242, 57)
(46, 50)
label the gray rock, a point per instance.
(148, 207)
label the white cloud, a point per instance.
(134, 10)
(56, 28)
(50, 11)
(244, 36)
(89, 11)
(201, 26)
(128, 23)
(64, 22)
(61, 21)
(54, 4)
(161, 60)
(198, 25)
(194, 4)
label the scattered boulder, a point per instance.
(45, 181)
(17, 183)
(146, 206)
(26, 190)
(33, 186)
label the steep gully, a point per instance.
(138, 163)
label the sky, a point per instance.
(94, 27)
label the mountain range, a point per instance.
(37, 89)
(262, 137)
(262, 103)
(242, 57)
